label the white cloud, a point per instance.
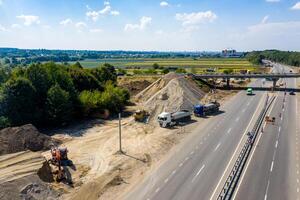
(164, 4)
(265, 19)
(196, 18)
(296, 6)
(80, 25)
(16, 26)
(107, 10)
(2, 28)
(29, 19)
(272, 1)
(1, 2)
(144, 22)
(97, 30)
(66, 22)
(115, 13)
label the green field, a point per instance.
(236, 63)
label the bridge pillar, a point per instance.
(274, 83)
(228, 82)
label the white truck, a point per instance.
(166, 119)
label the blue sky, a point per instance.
(166, 25)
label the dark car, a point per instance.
(292, 93)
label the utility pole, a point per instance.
(120, 135)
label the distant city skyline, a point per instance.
(175, 25)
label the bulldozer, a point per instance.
(140, 115)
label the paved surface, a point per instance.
(272, 171)
(198, 166)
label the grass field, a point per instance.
(236, 63)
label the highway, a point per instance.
(198, 166)
(273, 169)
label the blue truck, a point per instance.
(206, 109)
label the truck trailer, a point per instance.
(167, 119)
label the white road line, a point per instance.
(157, 190)
(217, 147)
(192, 153)
(237, 119)
(186, 158)
(166, 180)
(229, 130)
(180, 165)
(198, 172)
(276, 144)
(274, 155)
(244, 110)
(279, 129)
(173, 172)
(297, 190)
(266, 194)
(297, 180)
(271, 169)
(197, 147)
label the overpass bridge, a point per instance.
(274, 77)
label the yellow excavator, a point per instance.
(141, 115)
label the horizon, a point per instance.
(163, 26)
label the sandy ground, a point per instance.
(99, 171)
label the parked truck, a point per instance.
(207, 109)
(167, 119)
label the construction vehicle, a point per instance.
(207, 109)
(59, 158)
(141, 115)
(270, 119)
(167, 119)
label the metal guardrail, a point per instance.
(274, 76)
(236, 171)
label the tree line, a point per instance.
(54, 94)
(284, 57)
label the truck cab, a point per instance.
(164, 119)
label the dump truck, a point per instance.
(167, 119)
(207, 109)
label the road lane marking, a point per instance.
(271, 169)
(237, 119)
(173, 172)
(229, 130)
(198, 172)
(166, 180)
(186, 158)
(236, 149)
(274, 154)
(157, 190)
(276, 144)
(266, 194)
(217, 147)
(192, 153)
(180, 165)
(279, 129)
(244, 110)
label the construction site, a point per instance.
(82, 161)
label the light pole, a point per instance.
(120, 134)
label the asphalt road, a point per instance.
(272, 172)
(197, 166)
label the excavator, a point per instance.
(59, 155)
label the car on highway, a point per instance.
(292, 93)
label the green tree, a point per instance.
(228, 71)
(58, 106)
(155, 66)
(180, 71)
(4, 122)
(165, 71)
(18, 101)
(105, 73)
(84, 80)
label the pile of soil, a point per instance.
(134, 87)
(27, 137)
(170, 94)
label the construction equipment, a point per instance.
(140, 115)
(59, 156)
(270, 119)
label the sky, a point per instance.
(156, 25)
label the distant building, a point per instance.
(230, 53)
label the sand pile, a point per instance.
(27, 137)
(171, 93)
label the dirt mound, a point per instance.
(45, 173)
(135, 87)
(155, 87)
(37, 191)
(170, 94)
(27, 137)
